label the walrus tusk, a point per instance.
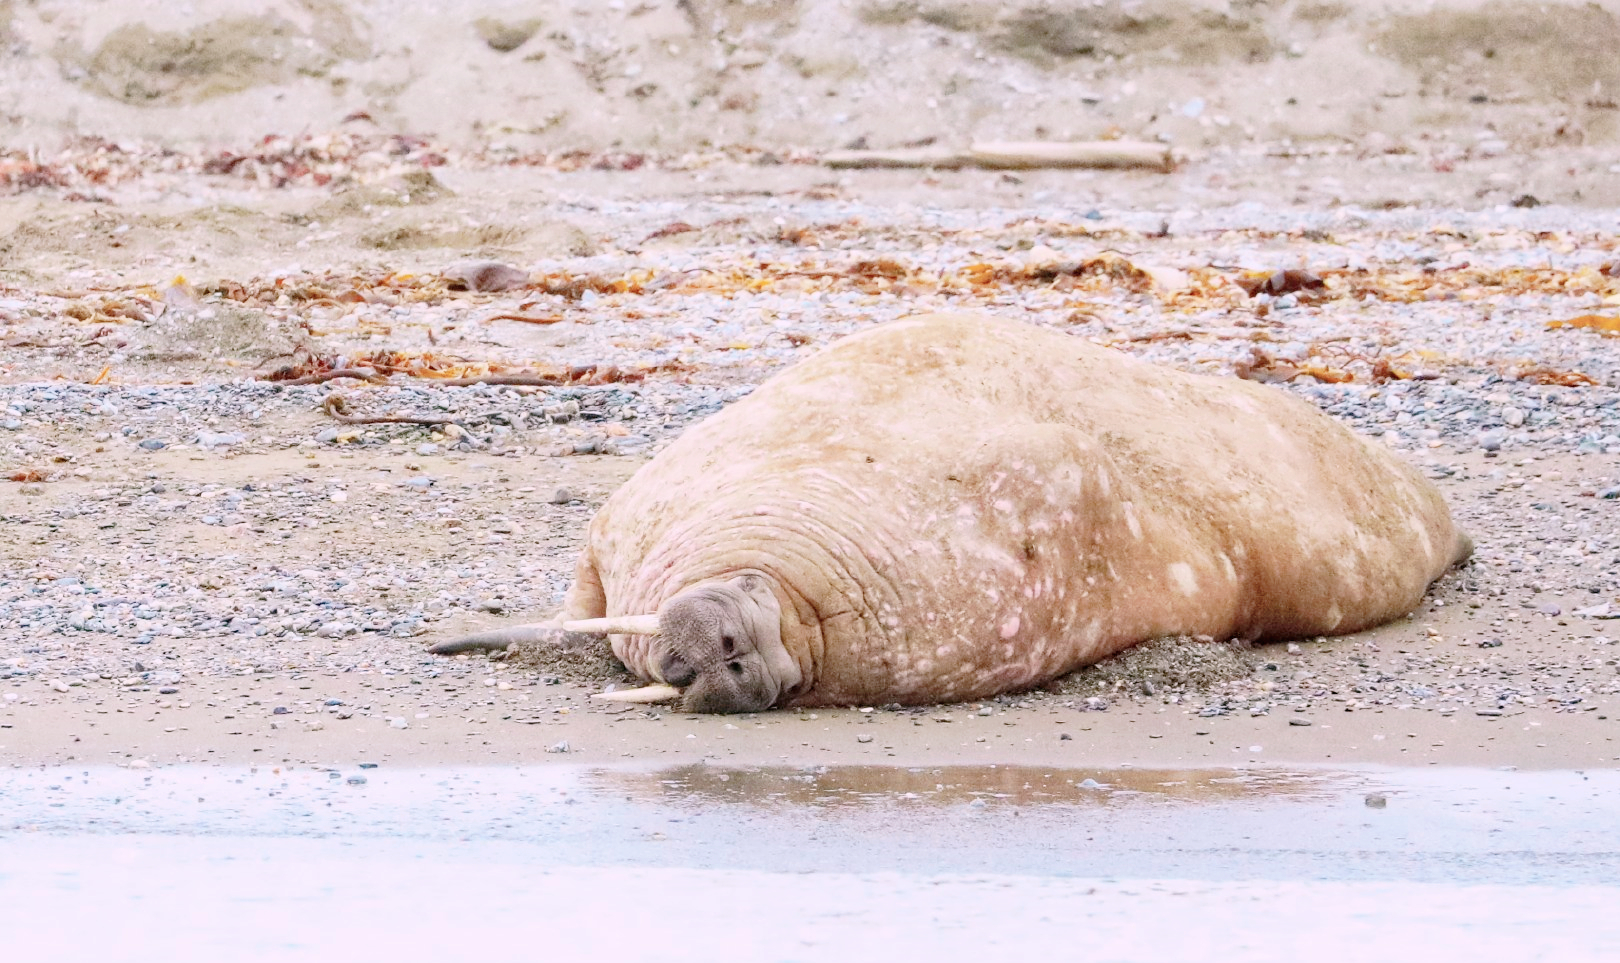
(646, 694)
(616, 625)
(496, 639)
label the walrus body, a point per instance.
(950, 507)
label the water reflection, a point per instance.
(943, 786)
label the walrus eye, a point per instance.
(735, 667)
(728, 644)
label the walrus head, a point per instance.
(719, 647)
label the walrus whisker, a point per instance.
(645, 695)
(616, 625)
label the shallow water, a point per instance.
(806, 864)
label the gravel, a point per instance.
(182, 534)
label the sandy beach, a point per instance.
(204, 564)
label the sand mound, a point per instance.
(812, 73)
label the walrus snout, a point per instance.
(676, 670)
(738, 689)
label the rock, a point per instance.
(559, 747)
(212, 439)
(486, 276)
(398, 722)
(427, 448)
(420, 481)
(327, 435)
(1549, 609)
(1299, 722)
(356, 780)
(58, 685)
(1492, 440)
(1065, 737)
(1489, 713)
(154, 444)
(1513, 417)
(1376, 800)
(561, 496)
(12, 424)
(864, 737)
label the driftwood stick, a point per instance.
(544, 381)
(525, 318)
(1031, 155)
(338, 407)
(359, 374)
(1014, 155)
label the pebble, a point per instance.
(558, 747)
(864, 737)
(1299, 722)
(1376, 800)
(154, 444)
(561, 496)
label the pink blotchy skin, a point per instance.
(950, 507)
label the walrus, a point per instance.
(949, 507)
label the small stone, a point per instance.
(1489, 713)
(59, 686)
(1513, 417)
(11, 424)
(1299, 722)
(398, 722)
(1492, 440)
(168, 690)
(420, 481)
(559, 747)
(154, 444)
(1376, 800)
(1610, 493)
(1065, 737)
(561, 496)
(280, 711)
(427, 448)
(1090, 784)
(1549, 609)
(864, 737)
(356, 780)
(327, 436)
(1490, 643)
(214, 439)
